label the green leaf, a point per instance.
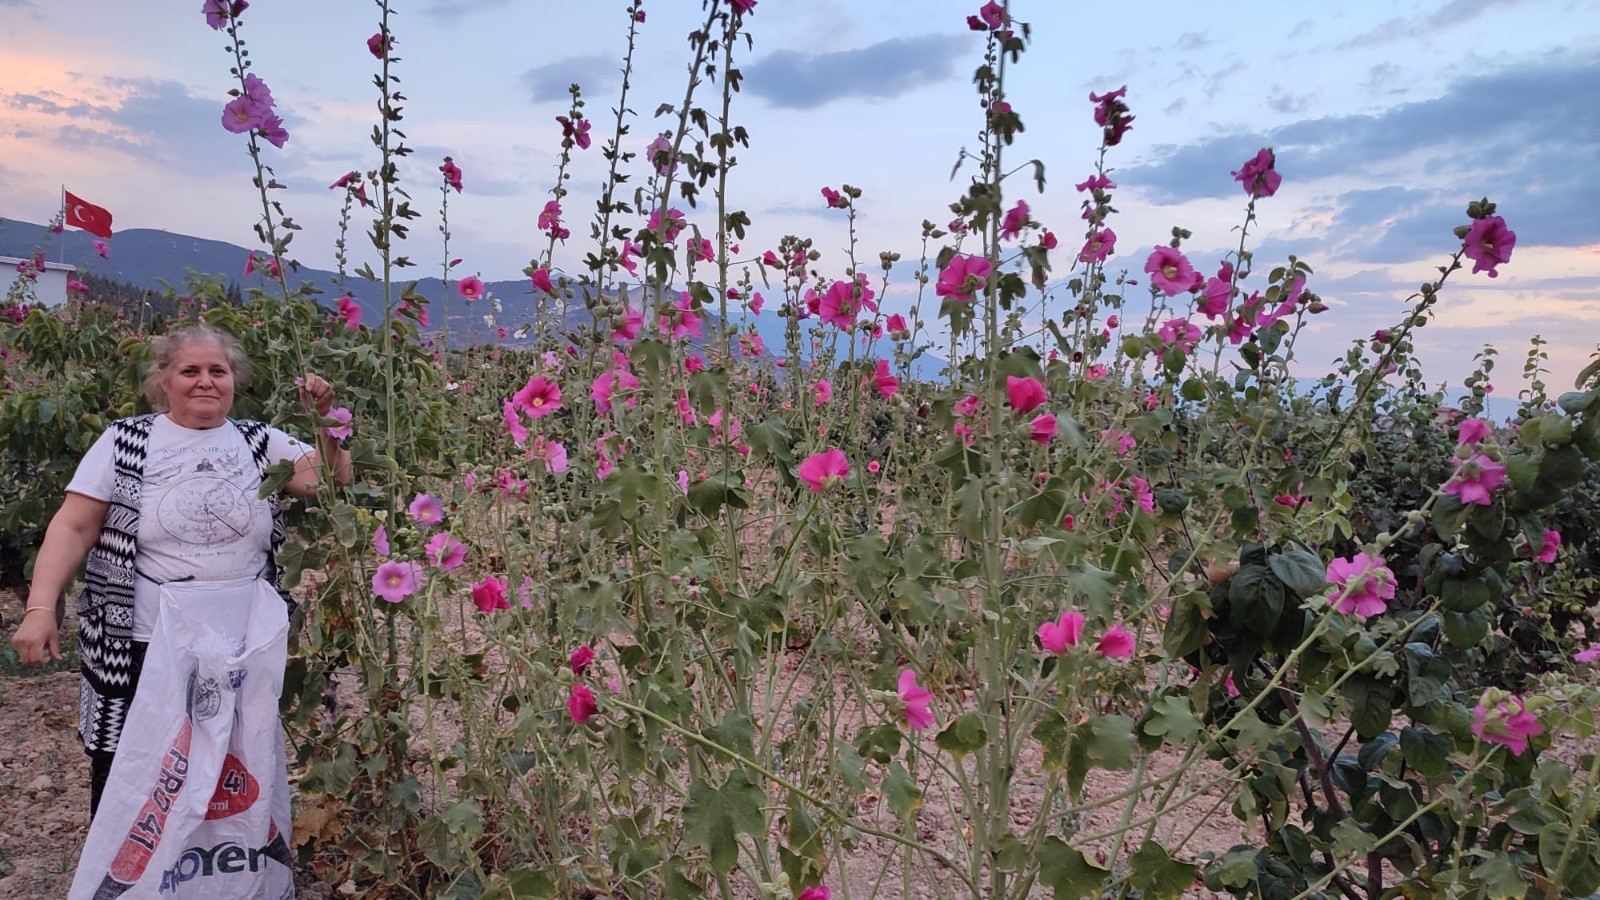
(964, 735)
(1171, 718)
(1067, 871)
(713, 818)
(1428, 676)
(905, 798)
(1582, 874)
(1464, 594)
(1186, 629)
(735, 732)
(1425, 751)
(1256, 597)
(1465, 630)
(1370, 709)
(1157, 875)
(1300, 570)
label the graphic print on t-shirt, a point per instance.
(201, 515)
(206, 506)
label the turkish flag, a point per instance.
(94, 219)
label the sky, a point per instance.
(1386, 116)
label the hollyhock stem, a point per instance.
(444, 277)
(605, 274)
(1582, 819)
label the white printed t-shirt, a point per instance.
(199, 516)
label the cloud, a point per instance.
(455, 10)
(1427, 24)
(552, 81)
(792, 80)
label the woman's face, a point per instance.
(200, 386)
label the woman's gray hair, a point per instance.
(167, 347)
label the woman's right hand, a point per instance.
(38, 639)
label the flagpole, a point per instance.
(61, 248)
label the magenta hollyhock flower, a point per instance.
(963, 276)
(1062, 634)
(1179, 334)
(273, 132)
(101, 248)
(452, 174)
(1170, 271)
(916, 699)
(1488, 243)
(607, 383)
(1115, 643)
(218, 12)
(740, 7)
(659, 153)
(991, 16)
(1218, 293)
(1101, 243)
(835, 200)
(1042, 429)
(1507, 722)
(580, 658)
(257, 90)
(1024, 394)
(884, 381)
(538, 398)
(380, 541)
(576, 130)
(669, 226)
(541, 281)
(1552, 546)
(756, 302)
(490, 594)
(816, 892)
(1259, 175)
(426, 509)
(349, 312)
(896, 324)
(1099, 182)
(445, 552)
(627, 325)
(824, 470)
(1363, 584)
(379, 46)
(1472, 431)
(342, 431)
(1588, 655)
(242, 114)
(470, 287)
(396, 580)
(839, 305)
(1112, 115)
(822, 392)
(552, 453)
(1048, 240)
(1016, 219)
(1475, 479)
(967, 405)
(513, 420)
(682, 320)
(77, 286)
(581, 704)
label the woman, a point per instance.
(159, 498)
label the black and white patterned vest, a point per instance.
(105, 608)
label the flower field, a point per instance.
(630, 601)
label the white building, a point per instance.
(51, 287)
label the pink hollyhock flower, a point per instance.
(659, 153)
(538, 398)
(885, 382)
(1048, 240)
(873, 467)
(638, 16)
(1363, 584)
(1219, 291)
(1259, 175)
(218, 12)
(1472, 431)
(669, 226)
(816, 892)
(77, 286)
(694, 364)
(242, 114)
(916, 699)
(1094, 183)
(380, 541)
(835, 201)
(550, 217)
(1587, 656)
(839, 305)
(396, 580)
(1115, 643)
(349, 312)
(740, 7)
(1123, 441)
(452, 174)
(1024, 394)
(576, 131)
(700, 250)
(490, 594)
(967, 406)
(607, 383)
(470, 287)
(342, 431)
(101, 248)
(822, 392)
(963, 276)
(580, 658)
(824, 470)
(756, 302)
(1552, 546)
(991, 16)
(445, 552)
(1042, 429)
(1475, 479)
(1179, 334)
(1100, 245)
(426, 509)
(1016, 219)
(1170, 271)
(628, 325)
(896, 324)
(552, 453)
(682, 320)
(1112, 115)
(273, 132)
(1058, 636)
(513, 420)
(541, 280)
(1488, 243)
(581, 704)
(379, 46)
(1507, 722)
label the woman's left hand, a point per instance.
(316, 393)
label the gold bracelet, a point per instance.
(29, 609)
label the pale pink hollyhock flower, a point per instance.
(1115, 643)
(552, 453)
(1475, 479)
(539, 397)
(525, 593)
(916, 699)
(1472, 431)
(683, 480)
(490, 594)
(822, 392)
(581, 658)
(581, 704)
(1259, 175)
(1363, 584)
(1508, 723)
(1042, 429)
(963, 276)
(396, 579)
(1552, 546)
(1170, 271)
(513, 420)
(824, 470)
(380, 541)
(1024, 394)
(426, 509)
(445, 552)
(884, 380)
(1488, 243)
(1065, 632)
(816, 892)
(470, 287)
(342, 431)
(101, 248)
